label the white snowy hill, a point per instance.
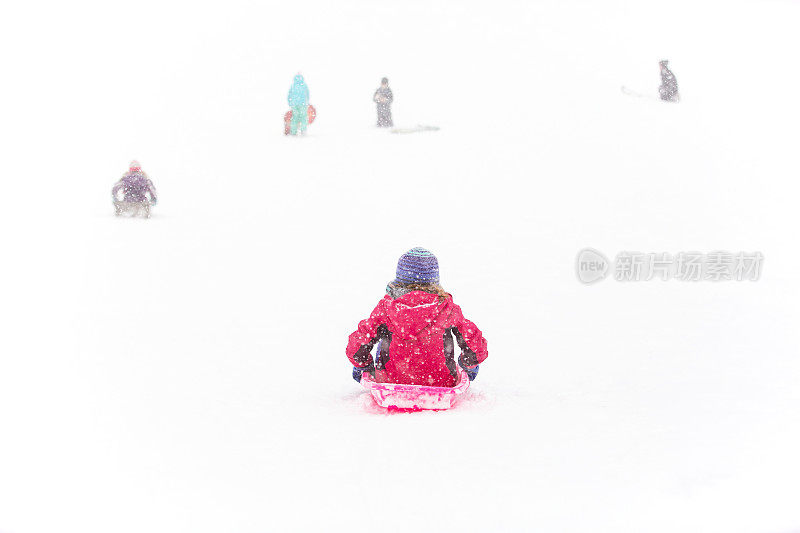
(187, 373)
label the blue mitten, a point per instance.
(358, 372)
(468, 361)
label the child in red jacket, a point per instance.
(414, 326)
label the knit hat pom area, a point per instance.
(417, 265)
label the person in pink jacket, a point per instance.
(414, 326)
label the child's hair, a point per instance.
(396, 289)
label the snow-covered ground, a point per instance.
(187, 373)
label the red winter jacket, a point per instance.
(416, 332)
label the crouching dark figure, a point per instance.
(668, 90)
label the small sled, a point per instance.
(637, 94)
(415, 397)
(418, 128)
(122, 207)
(287, 119)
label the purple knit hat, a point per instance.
(417, 265)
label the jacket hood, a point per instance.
(413, 313)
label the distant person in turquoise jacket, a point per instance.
(298, 101)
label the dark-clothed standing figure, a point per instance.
(383, 98)
(669, 84)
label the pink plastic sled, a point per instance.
(416, 397)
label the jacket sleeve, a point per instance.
(389, 97)
(361, 341)
(152, 190)
(115, 190)
(470, 339)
